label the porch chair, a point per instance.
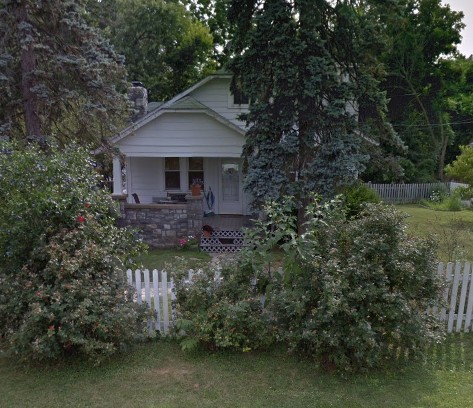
(136, 198)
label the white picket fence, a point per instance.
(458, 296)
(157, 292)
(410, 193)
(154, 289)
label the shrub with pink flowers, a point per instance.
(187, 243)
(62, 259)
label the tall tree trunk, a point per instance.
(28, 66)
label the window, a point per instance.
(196, 169)
(172, 173)
(239, 98)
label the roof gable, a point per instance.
(181, 102)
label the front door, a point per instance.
(230, 187)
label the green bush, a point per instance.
(465, 193)
(62, 259)
(441, 200)
(356, 196)
(357, 290)
(220, 309)
(462, 167)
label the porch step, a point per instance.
(222, 241)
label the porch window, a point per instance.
(172, 173)
(196, 169)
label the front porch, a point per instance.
(229, 222)
(227, 233)
(163, 225)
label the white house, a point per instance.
(195, 135)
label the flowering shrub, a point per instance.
(189, 243)
(355, 291)
(220, 310)
(62, 259)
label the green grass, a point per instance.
(157, 258)
(160, 375)
(453, 230)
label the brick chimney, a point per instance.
(138, 99)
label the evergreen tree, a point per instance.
(309, 68)
(58, 76)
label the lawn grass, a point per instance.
(157, 258)
(159, 374)
(453, 230)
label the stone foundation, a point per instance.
(162, 225)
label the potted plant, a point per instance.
(207, 231)
(196, 187)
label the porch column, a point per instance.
(117, 176)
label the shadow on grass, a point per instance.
(160, 374)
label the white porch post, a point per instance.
(117, 176)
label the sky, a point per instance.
(466, 47)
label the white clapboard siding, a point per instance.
(155, 293)
(456, 311)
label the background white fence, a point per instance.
(157, 292)
(410, 193)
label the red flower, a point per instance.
(80, 218)
(51, 327)
(87, 205)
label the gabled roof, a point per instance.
(180, 103)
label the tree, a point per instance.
(422, 34)
(310, 71)
(462, 167)
(164, 46)
(214, 14)
(60, 79)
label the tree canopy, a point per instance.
(164, 46)
(311, 73)
(422, 37)
(59, 77)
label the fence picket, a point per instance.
(173, 303)
(138, 286)
(469, 308)
(147, 297)
(157, 306)
(453, 298)
(164, 284)
(461, 306)
(458, 289)
(409, 193)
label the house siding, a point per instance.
(183, 135)
(215, 94)
(145, 178)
